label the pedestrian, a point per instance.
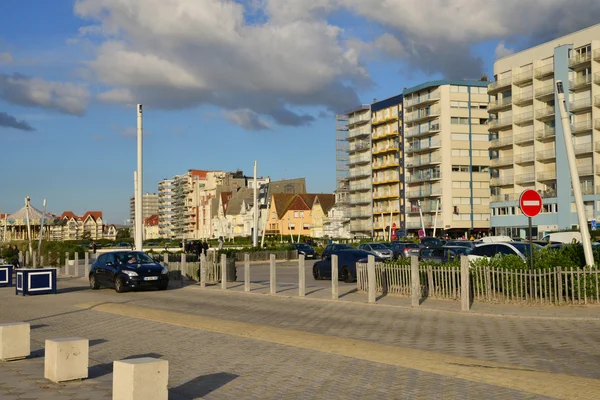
(220, 245)
(16, 263)
(205, 247)
(94, 247)
(7, 254)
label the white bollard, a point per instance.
(27, 258)
(247, 287)
(140, 379)
(415, 279)
(86, 264)
(67, 263)
(202, 271)
(465, 290)
(223, 271)
(14, 341)
(66, 359)
(273, 275)
(301, 276)
(371, 279)
(33, 259)
(76, 265)
(335, 294)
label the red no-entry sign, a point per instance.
(530, 203)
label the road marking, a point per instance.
(531, 203)
(560, 386)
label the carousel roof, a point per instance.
(34, 214)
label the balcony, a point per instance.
(544, 113)
(424, 176)
(597, 101)
(425, 192)
(423, 160)
(363, 199)
(495, 87)
(385, 194)
(523, 78)
(359, 132)
(420, 146)
(386, 179)
(500, 142)
(544, 71)
(382, 134)
(597, 123)
(586, 190)
(525, 158)
(360, 172)
(545, 92)
(359, 145)
(422, 114)
(499, 124)
(581, 127)
(431, 129)
(523, 118)
(423, 99)
(548, 193)
(585, 170)
(524, 178)
(546, 176)
(358, 186)
(581, 82)
(504, 197)
(580, 105)
(597, 55)
(503, 181)
(501, 162)
(546, 155)
(548, 133)
(386, 164)
(362, 159)
(388, 147)
(499, 105)
(524, 137)
(359, 119)
(580, 60)
(521, 99)
(584, 148)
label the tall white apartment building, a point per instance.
(149, 207)
(446, 158)
(527, 139)
(359, 167)
(165, 208)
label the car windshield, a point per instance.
(524, 247)
(344, 246)
(462, 251)
(303, 247)
(432, 241)
(387, 245)
(378, 246)
(134, 257)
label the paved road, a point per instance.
(240, 346)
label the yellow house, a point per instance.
(292, 214)
(320, 208)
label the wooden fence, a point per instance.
(557, 286)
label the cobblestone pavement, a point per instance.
(218, 366)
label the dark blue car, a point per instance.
(347, 260)
(128, 270)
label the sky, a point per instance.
(224, 83)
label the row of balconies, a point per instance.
(360, 159)
(423, 146)
(390, 162)
(384, 132)
(542, 176)
(386, 193)
(425, 191)
(418, 161)
(359, 145)
(419, 131)
(360, 172)
(423, 98)
(385, 147)
(422, 114)
(426, 206)
(388, 177)
(422, 176)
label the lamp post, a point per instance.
(139, 235)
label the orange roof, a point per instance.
(225, 197)
(94, 214)
(198, 172)
(151, 220)
(68, 214)
(281, 202)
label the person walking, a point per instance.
(94, 247)
(205, 247)
(220, 245)
(15, 254)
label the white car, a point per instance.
(377, 248)
(488, 250)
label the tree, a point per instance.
(123, 234)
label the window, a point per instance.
(459, 104)
(478, 90)
(305, 227)
(460, 168)
(459, 120)
(296, 214)
(462, 136)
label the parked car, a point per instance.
(127, 270)
(405, 249)
(432, 254)
(379, 249)
(334, 248)
(520, 249)
(563, 237)
(305, 249)
(453, 253)
(463, 243)
(347, 260)
(430, 241)
(124, 244)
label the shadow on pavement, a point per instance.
(316, 290)
(95, 342)
(72, 289)
(349, 292)
(38, 326)
(203, 385)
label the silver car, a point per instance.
(379, 249)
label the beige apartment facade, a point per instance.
(446, 159)
(527, 139)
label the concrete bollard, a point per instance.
(14, 341)
(182, 265)
(465, 290)
(33, 259)
(335, 294)
(42, 261)
(415, 286)
(67, 263)
(223, 271)
(27, 258)
(301, 276)
(86, 264)
(76, 265)
(21, 259)
(140, 379)
(66, 359)
(273, 275)
(202, 272)
(165, 260)
(247, 287)
(371, 279)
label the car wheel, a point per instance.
(164, 286)
(93, 283)
(119, 285)
(317, 273)
(347, 276)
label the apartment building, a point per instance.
(165, 208)
(446, 157)
(359, 168)
(388, 173)
(149, 206)
(527, 139)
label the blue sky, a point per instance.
(262, 83)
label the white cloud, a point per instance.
(123, 96)
(6, 58)
(502, 51)
(66, 97)
(247, 119)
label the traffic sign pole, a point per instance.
(530, 204)
(530, 245)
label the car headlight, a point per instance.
(164, 271)
(130, 273)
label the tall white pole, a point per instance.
(301, 222)
(262, 240)
(42, 228)
(585, 234)
(437, 208)
(135, 206)
(139, 233)
(27, 205)
(421, 215)
(391, 222)
(255, 230)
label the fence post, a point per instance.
(86, 264)
(415, 279)
(334, 277)
(559, 292)
(202, 271)
(273, 275)
(41, 261)
(371, 279)
(33, 259)
(182, 266)
(67, 263)
(21, 259)
(76, 265)
(27, 258)
(247, 272)
(465, 301)
(223, 271)
(301, 276)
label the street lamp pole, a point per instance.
(139, 234)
